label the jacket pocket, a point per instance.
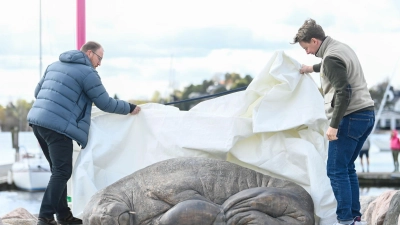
(82, 114)
(329, 98)
(333, 101)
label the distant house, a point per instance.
(216, 88)
(389, 120)
(390, 117)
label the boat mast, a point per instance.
(80, 24)
(40, 39)
(383, 102)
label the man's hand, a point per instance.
(331, 134)
(306, 69)
(136, 110)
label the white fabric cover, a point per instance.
(276, 126)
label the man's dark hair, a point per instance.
(90, 45)
(310, 29)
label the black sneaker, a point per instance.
(70, 219)
(46, 221)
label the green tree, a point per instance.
(248, 78)
(156, 97)
(220, 89)
(15, 115)
(205, 85)
(232, 77)
(200, 89)
(232, 81)
(240, 83)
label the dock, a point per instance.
(3, 176)
(379, 179)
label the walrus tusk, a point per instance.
(132, 212)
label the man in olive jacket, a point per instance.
(350, 109)
(61, 113)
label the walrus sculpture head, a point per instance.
(199, 191)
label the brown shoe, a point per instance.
(46, 221)
(70, 219)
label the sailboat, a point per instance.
(31, 171)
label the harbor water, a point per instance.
(381, 161)
(10, 200)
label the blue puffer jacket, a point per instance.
(65, 94)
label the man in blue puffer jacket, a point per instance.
(61, 113)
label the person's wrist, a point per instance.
(132, 107)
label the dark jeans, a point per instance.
(58, 150)
(352, 132)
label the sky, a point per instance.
(160, 45)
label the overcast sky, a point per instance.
(153, 45)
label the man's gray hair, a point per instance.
(310, 29)
(90, 45)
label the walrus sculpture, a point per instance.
(201, 191)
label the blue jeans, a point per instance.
(352, 132)
(57, 149)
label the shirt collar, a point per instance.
(322, 47)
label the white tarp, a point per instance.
(276, 126)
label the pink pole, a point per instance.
(80, 24)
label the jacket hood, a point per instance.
(75, 56)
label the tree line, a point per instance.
(13, 115)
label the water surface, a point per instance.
(10, 200)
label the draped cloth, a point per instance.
(276, 126)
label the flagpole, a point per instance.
(80, 24)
